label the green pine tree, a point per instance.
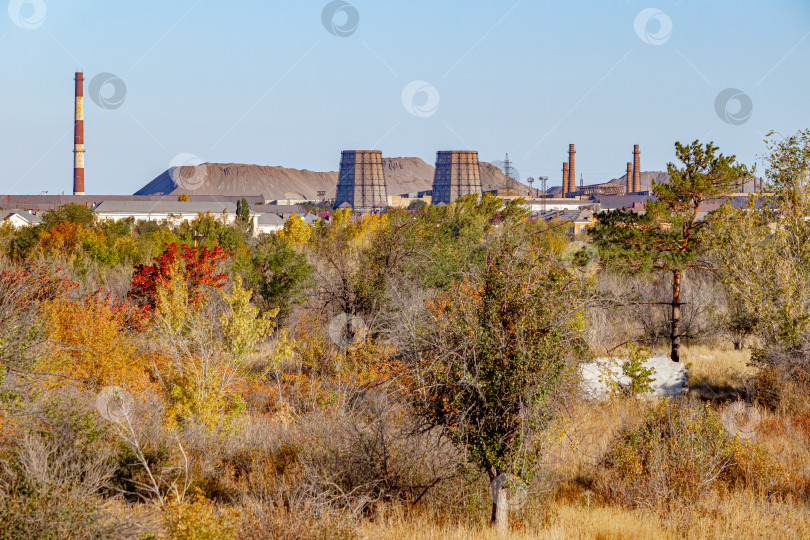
(668, 237)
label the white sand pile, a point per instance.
(602, 375)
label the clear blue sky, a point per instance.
(265, 82)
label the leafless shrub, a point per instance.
(151, 477)
(54, 473)
(372, 455)
(631, 309)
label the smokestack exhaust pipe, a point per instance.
(565, 180)
(636, 171)
(572, 177)
(629, 179)
(78, 137)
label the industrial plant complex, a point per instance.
(366, 182)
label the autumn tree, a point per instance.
(669, 237)
(199, 341)
(295, 232)
(338, 249)
(491, 352)
(452, 237)
(198, 267)
(108, 244)
(209, 230)
(93, 342)
(764, 253)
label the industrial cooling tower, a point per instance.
(457, 174)
(362, 181)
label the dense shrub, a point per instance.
(679, 453)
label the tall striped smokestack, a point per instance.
(78, 137)
(572, 176)
(636, 171)
(565, 179)
(629, 178)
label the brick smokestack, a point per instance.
(78, 137)
(565, 179)
(572, 176)
(636, 171)
(629, 178)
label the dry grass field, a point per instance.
(572, 508)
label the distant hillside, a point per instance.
(402, 175)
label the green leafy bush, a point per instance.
(636, 370)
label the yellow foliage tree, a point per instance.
(87, 341)
(295, 231)
(201, 373)
(242, 323)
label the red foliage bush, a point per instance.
(199, 266)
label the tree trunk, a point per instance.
(500, 510)
(676, 316)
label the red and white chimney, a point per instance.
(78, 137)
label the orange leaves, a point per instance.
(64, 237)
(369, 363)
(74, 239)
(460, 294)
(310, 344)
(88, 341)
(128, 316)
(448, 309)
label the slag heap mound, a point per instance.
(402, 175)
